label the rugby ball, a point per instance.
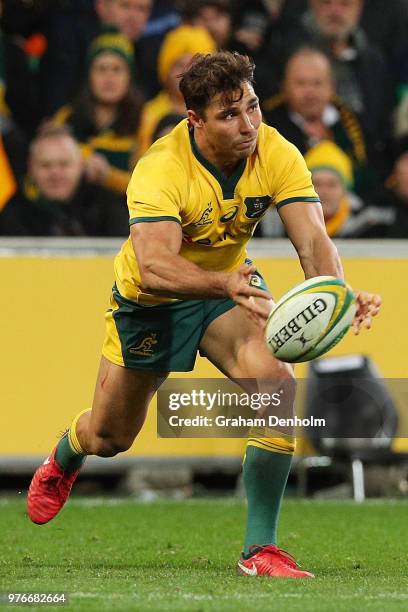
(310, 319)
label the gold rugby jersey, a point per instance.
(218, 214)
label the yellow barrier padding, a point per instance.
(52, 329)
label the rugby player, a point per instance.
(183, 283)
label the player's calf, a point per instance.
(107, 446)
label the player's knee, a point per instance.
(281, 374)
(109, 446)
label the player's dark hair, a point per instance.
(215, 73)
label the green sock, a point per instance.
(265, 476)
(68, 459)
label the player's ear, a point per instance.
(194, 119)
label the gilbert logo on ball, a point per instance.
(310, 319)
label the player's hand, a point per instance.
(368, 306)
(244, 294)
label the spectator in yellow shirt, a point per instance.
(105, 118)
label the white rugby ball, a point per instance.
(310, 319)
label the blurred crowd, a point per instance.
(86, 86)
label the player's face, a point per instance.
(308, 85)
(56, 167)
(330, 190)
(131, 16)
(229, 131)
(336, 18)
(109, 78)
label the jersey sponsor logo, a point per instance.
(190, 240)
(205, 218)
(225, 235)
(230, 215)
(255, 207)
(145, 348)
(250, 571)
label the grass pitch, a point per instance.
(125, 555)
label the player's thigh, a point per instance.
(121, 399)
(236, 346)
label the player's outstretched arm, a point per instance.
(165, 272)
(305, 227)
(304, 224)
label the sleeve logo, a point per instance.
(255, 207)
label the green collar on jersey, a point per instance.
(227, 183)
